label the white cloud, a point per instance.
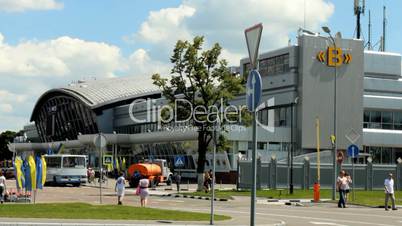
(61, 57)
(224, 21)
(140, 63)
(24, 5)
(7, 108)
(166, 25)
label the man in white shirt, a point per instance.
(2, 186)
(389, 191)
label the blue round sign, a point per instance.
(353, 151)
(254, 90)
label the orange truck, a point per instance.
(155, 171)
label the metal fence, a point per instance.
(275, 175)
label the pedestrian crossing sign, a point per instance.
(179, 161)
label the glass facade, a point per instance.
(391, 120)
(62, 117)
(383, 155)
(282, 116)
(271, 66)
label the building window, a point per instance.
(271, 66)
(261, 145)
(391, 120)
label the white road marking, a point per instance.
(341, 213)
(299, 217)
(327, 223)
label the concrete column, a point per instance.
(399, 174)
(306, 174)
(369, 173)
(273, 170)
(259, 168)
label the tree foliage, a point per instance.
(203, 79)
(5, 138)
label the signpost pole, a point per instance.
(213, 177)
(353, 176)
(254, 167)
(253, 96)
(100, 142)
(353, 152)
(100, 171)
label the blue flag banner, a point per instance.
(49, 151)
(39, 172)
(27, 174)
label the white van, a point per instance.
(66, 169)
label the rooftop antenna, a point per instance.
(369, 47)
(359, 7)
(384, 26)
(304, 15)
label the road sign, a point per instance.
(253, 37)
(353, 151)
(100, 141)
(352, 136)
(107, 159)
(179, 161)
(254, 87)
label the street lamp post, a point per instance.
(334, 147)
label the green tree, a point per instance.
(204, 81)
(5, 138)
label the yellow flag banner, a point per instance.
(44, 168)
(32, 171)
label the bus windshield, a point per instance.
(73, 162)
(53, 162)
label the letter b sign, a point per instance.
(334, 56)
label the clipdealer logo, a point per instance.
(143, 111)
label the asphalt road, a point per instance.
(238, 209)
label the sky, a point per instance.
(46, 44)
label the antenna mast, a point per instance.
(358, 10)
(369, 32)
(384, 26)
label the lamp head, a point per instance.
(326, 29)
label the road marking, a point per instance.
(299, 217)
(340, 213)
(327, 223)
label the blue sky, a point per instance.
(49, 43)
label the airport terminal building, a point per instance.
(301, 83)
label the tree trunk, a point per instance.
(202, 150)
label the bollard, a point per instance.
(316, 189)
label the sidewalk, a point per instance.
(83, 222)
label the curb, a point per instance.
(193, 197)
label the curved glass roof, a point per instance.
(96, 93)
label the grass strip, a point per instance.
(109, 212)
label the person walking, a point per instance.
(347, 187)
(389, 191)
(143, 191)
(177, 180)
(120, 188)
(341, 183)
(2, 186)
(206, 182)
